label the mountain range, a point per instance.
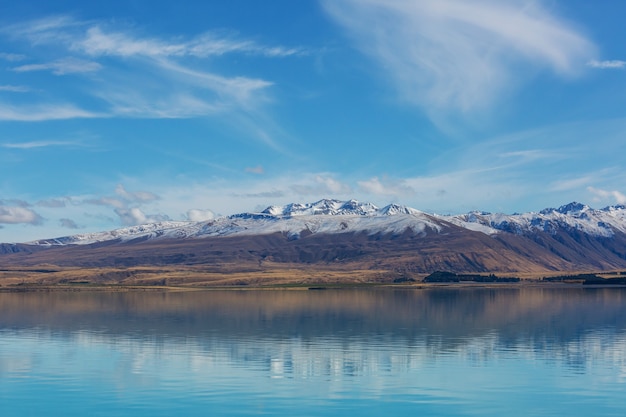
(351, 235)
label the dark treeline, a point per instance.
(443, 276)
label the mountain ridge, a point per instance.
(350, 235)
(597, 222)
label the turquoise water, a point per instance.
(466, 352)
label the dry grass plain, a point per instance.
(51, 277)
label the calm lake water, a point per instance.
(438, 352)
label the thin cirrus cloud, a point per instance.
(459, 55)
(386, 187)
(11, 57)
(600, 194)
(135, 196)
(258, 170)
(36, 144)
(43, 112)
(62, 66)
(15, 88)
(609, 64)
(99, 42)
(319, 185)
(144, 77)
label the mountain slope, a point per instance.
(352, 235)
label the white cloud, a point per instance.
(332, 185)
(571, 183)
(19, 214)
(386, 187)
(62, 66)
(455, 54)
(320, 185)
(197, 215)
(127, 206)
(614, 64)
(132, 216)
(125, 198)
(134, 197)
(600, 195)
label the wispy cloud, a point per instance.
(386, 187)
(134, 215)
(37, 113)
(99, 41)
(136, 196)
(62, 66)
(256, 170)
(572, 183)
(15, 88)
(43, 30)
(243, 90)
(321, 185)
(262, 194)
(459, 55)
(36, 144)
(602, 195)
(127, 206)
(143, 76)
(54, 202)
(613, 64)
(12, 57)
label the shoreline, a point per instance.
(38, 288)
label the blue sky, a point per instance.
(124, 112)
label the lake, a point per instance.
(337, 352)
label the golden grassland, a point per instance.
(49, 275)
(229, 276)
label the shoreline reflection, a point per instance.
(442, 348)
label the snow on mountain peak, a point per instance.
(573, 209)
(393, 209)
(338, 208)
(335, 216)
(570, 217)
(323, 216)
(323, 207)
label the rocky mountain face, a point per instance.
(350, 234)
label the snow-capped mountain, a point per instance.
(333, 216)
(570, 217)
(293, 220)
(323, 207)
(571, 237)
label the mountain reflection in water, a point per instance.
(484, 351)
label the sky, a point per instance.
(121, 113)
